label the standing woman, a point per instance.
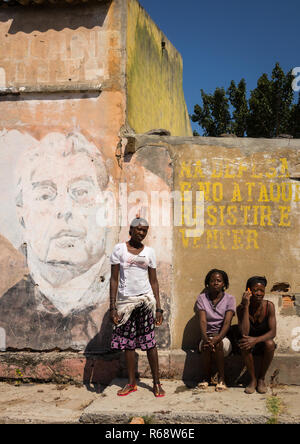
(135, 304)
(257, 325)
(216, 310)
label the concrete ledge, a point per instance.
(45, 88)
(187, 406)
(94, 369)
(60, 367)
(247, 145)
(177, 364)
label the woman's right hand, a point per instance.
(246, 298)
(114, 316)
(208, 344)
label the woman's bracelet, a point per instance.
(112, 309)
(159, 310)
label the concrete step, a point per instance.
(34, 403)
(182, 405)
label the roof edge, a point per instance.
(47, 3)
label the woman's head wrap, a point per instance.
(139, 221)
(256, 280)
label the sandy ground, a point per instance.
(70, 404)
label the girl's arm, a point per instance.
(243, 314)
(249, 342)
(114, 282)
(203, 325)
(272, 325)
(155, 288)
(226, 326)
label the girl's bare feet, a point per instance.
(251, 387)
(261, 387)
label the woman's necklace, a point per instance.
(214, 301)
(135, 247)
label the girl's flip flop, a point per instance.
(221, 387)
(158, 391)
(203, 385)
(129, 388)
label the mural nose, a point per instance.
(64, 215)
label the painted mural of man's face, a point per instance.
(60, 199)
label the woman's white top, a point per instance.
(134, 285)
(134, 279)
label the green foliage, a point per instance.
(270, 105)
(269, 112)
(294, 126)
(237, 97)
(274, 406)
(214, 116)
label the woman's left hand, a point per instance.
(159, 319)
(215, 341)
(247, 342)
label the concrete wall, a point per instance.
(251, 218)
(75, 53)
(155, 96)
(62, 104)
(67, 94)
(251, 223)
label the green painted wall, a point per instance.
(155, 96)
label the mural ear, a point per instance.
(20, 215)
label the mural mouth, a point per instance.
(69, 234)
(67, 238)
(60, 263)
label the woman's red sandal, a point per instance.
(157, 391)
(129, 388)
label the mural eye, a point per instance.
(82, 192)
(44, 194)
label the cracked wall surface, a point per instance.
(64, 110)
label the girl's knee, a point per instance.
(270, 345)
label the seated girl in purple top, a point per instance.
(216, 310)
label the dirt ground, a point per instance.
(70, 404)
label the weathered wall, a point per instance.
(251, 219)
(62, 105)
(74, 54)
(251, 222)
(145, 171)
(155, 96)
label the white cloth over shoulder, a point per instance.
(134, 286)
